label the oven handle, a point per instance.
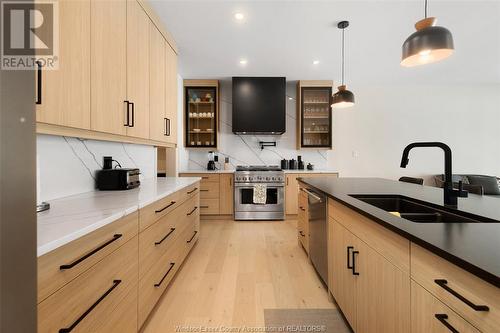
(251, 185)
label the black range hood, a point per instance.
(259, 105)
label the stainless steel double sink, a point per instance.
(419, 211)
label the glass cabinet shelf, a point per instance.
(315, 114)
(201, 115)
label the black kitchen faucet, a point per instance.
(450, 194)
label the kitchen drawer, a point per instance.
(160, 237)
(153, 212)
(390, 245)
(205, 177)
(61, 266)
(209, 206)
(455, 287)
(156, 280)
(428, 314)
(103, 299)
(209, 190)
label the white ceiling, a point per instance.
(282, 38)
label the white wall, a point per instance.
(387, 118)
(66, 166)
(245, 149)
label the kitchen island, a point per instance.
(389, 274)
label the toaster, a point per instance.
(117, 179)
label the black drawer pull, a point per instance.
(444, 284)
(193, 190)
(191, 239)
(127, 124)
(349, 248)
(169, 205)
(203, 190)
(203, 206)
(302, 209)
(39, 82)
(302, 233)
(69, 329)
(354, 262)
(204, 177)
(165, 237)
(443, 319)
(133, 115)
(191, 212)
(172, 264)
(97, 249)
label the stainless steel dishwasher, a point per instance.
(318, 231)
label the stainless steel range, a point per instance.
(245, 178)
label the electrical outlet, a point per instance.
(355, 154)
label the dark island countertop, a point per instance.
(474, 247)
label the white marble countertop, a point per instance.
(72, 217)
(286, 171)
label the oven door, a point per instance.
(244, 207)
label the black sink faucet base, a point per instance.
(450, 194)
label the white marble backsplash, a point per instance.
(245, 149)
(67, 166)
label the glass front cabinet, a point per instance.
(314, 114)
(201, 113)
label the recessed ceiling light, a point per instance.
(315, 62)
(243, 61)
(239, 16)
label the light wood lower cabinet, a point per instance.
(111, 279)
(226, 194)
(303, 221)
(102, 299)
(428, 314)
(370, 277)
(216, 192)
(373, 293)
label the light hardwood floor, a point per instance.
(235, 271)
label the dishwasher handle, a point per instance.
(314, 195)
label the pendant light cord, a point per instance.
(343, 55)
(425, 8)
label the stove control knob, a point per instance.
(250, 178)
(273, 178)
(267, 178)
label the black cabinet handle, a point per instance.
(354, 262)
(133, 115)
(442, 317)
(191, 239)
(39, 82)
(191, 212)
(444, 284)
(127, 124)
(203, 206)
(302, 233)
(167, 126)
(349, 248)
(92, 307)
(165, 237)
(302, 209)
(169, 205)
(203, 190)
(193, 190)
(204, 177)
(89, 254)
(172, 264)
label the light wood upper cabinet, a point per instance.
(108, 66)
(65, 96)
(138, 27)
(171, 94)
(157, 85)
(226, 194)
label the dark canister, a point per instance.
(292, 164)
(284, 164)
(300, 163)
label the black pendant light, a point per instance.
(343, 98)
(428, 44)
